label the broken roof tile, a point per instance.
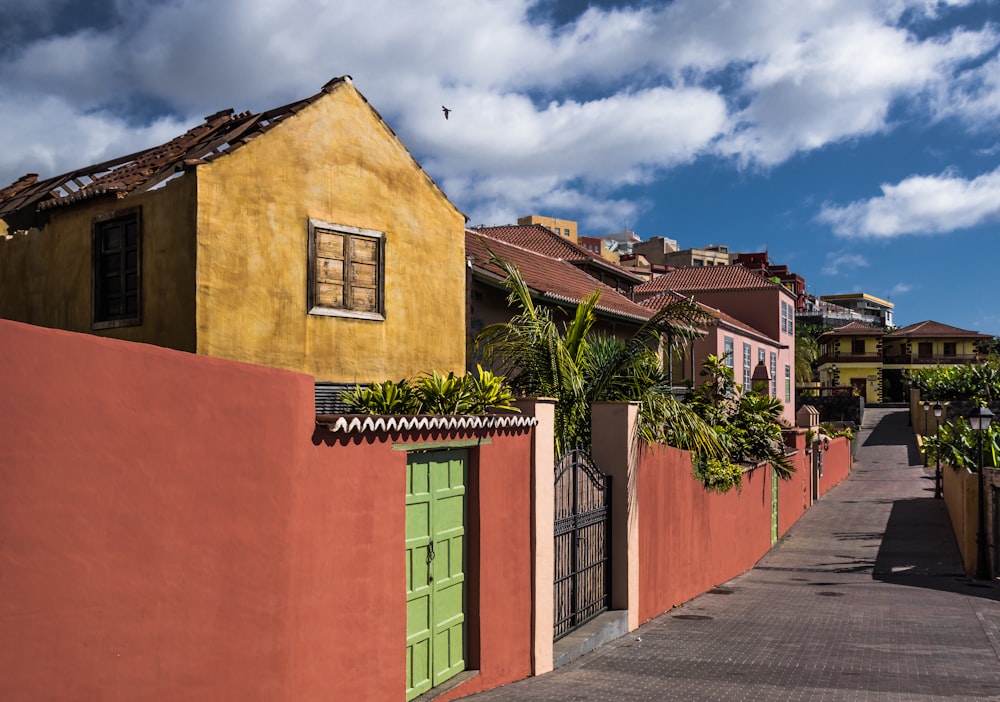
(220, 133)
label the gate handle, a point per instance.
(430, 551)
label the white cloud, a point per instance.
(838, 261)
(900, 289)
(919, 205)
(541, 112)
(30, 145)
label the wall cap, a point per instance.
(367, 423)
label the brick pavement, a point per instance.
(864, 599)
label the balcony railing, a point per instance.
(937, 358)
(850, 358)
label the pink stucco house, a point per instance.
(754, 322)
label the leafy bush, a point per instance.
(433, 394)
(386, 397)
(957, 445)
(833, 432)
(970, 381)
(747, 423)
(719, 475)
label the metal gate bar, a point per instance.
(582, 542)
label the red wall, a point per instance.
(145, 511)
(837, 464)
(795, 494)
(689, 539)
(175, 527)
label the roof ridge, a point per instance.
(216, 135)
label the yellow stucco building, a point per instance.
(875, 363)
(305, 237)
(851, 355)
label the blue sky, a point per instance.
(857, 140)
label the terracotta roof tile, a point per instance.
(541, 240)
(936, 330)
(854, 329)
(706, 278)
(555, 279)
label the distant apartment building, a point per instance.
(714, 255)
(565, 228)
(875, 363)
(655, 250)
(760, 263)
(873, 310)
(620, 242)
(831, 310)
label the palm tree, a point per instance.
(579, 368)
(806, 353)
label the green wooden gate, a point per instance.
(435, 568)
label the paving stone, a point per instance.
(864, 599)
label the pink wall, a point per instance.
(502, 594)
(175, 527)
(760, 309)
(146, 513)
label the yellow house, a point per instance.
(922, 344)
(874, 363)
(851, 355)
(305, 237)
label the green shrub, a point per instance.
(719, 475)
(433, 393)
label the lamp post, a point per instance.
(979, 419)
(927, 416)
(938, 412)
(761, 377)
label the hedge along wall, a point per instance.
(176, 527)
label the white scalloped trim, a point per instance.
(360, 424)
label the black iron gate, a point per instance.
(582, 541)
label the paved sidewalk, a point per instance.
(864, 599)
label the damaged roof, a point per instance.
(220, 134)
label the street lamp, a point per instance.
(761, 377)
(938, 412)
(979, 419)
(927, 416)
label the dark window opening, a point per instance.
(117, 269)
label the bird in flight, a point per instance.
(446, 111)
